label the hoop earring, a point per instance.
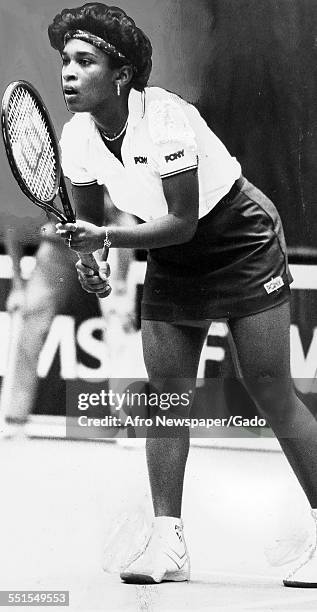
(118, 89)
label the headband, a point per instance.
(96, 41)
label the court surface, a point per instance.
(61, 502)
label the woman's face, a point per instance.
(87, 80)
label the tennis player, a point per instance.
(215, 244)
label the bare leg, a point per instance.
(262, 343)
(171, 355)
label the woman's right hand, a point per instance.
(90, 281)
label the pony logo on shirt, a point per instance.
(140, 160)
(174, 156)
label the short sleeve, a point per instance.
(174, 140)
(72, 145)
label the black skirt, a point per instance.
(234, 266)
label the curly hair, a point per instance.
(113, 25)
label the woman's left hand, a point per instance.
(85, 237)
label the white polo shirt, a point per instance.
(165, 136)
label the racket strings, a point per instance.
(31, 145)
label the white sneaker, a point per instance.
(165, 557)
(305, 576)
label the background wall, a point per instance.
(249, 65)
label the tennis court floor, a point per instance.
(61, 502)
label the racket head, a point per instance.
(31, 145)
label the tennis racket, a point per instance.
(33, 154)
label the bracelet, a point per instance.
(107, 241)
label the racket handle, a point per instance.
(89, 260)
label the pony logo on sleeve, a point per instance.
(174, 156)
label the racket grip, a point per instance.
(89, 260)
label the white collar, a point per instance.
(136, 105)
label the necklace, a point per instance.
(113, 138)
